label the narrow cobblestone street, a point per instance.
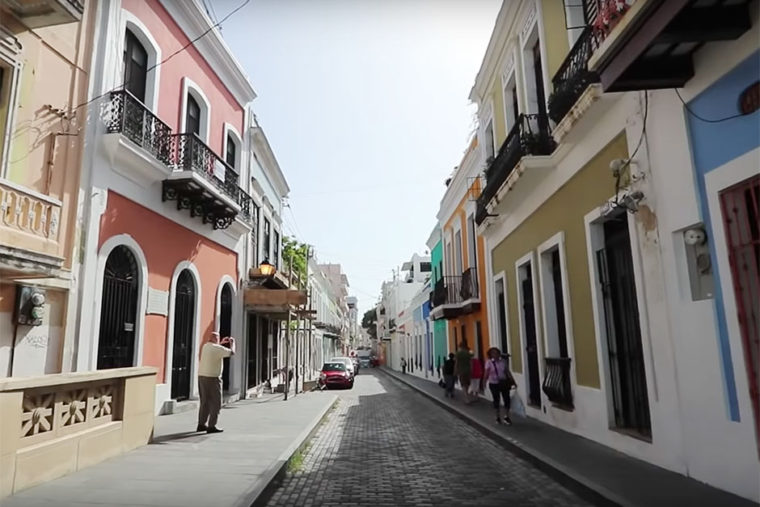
(385, 445)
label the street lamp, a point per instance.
(267, 269)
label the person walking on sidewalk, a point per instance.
(403, 365)
(210, 380)
(476, 383)
(464, 369)
(448, 375)
(500, 381)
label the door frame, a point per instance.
(142, 295)
(594, 226)
(181, 266)
(530, 258)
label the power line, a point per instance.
(701, 118)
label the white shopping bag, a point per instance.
(516, 406)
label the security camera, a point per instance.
(694, 236)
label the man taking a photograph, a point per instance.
(210, 380)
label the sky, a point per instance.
(365, 104)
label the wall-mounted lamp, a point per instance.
(266, 268)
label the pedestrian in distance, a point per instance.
(438, 366)
(210, 368)
(448, 375)
(403, 365)
(476, 383)
(464, 369)
(500, 381)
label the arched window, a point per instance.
(118, 317)
(135, 66)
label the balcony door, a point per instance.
(225, 329)
(529, 333)
(135, 67)
(192, 116)
(539, 79)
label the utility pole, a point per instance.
(287, 332)
(309, 254)
(298, 338)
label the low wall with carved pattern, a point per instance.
(53, 425)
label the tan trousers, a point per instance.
(210, 391)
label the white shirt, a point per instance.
(211, 363)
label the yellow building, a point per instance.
(44, 61)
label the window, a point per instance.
(489, 140)
(135, 66)
(510, 103)
(254, 234)
(267, 239)
(276, 255)
(192, 116)
(425, 267)
(231, 154)
(472, 243)
(458, 253)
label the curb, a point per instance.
(581, 485)
(263, 488)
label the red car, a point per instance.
(335, 374)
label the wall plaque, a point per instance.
(158, 302)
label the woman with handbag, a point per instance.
(500, 381)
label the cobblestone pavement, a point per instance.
(385, 445)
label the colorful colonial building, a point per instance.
(619, 218)
(44, 75)
(459, 297)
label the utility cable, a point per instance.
(183, 48)
(702, 118)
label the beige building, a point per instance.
(44, 58)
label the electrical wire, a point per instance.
(183, 48)
(635, 151)
(702, 118)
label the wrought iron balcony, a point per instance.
(247, 207)
(529, 136)
(126, 115)
(557, 385)
(648, 44)
(39, 13)
(572, 78)
(203, 183)
(453, 296)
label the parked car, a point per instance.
(364, 362)
(335, 374)
(348, 362)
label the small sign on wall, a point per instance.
(158, 302)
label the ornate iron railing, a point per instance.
(572, 78)
(604, 15)
(438, 295)
(192, 154)
(529, 136)
(126, 115)
(557, 385)
(247, 207)
(454, 289)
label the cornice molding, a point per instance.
(193, 20)
(270, 167)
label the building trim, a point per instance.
(181, 266)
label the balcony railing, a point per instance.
(572, 78)
(452, 290)
(529, 136)
(192, 154)
(557, 385)
(608, 14)
(438, 295)
(247, 207)
(126, 115)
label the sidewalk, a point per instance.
(188, 469)
(581, 464)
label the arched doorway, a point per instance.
(184, 329)
(118, 314)
(225, 328)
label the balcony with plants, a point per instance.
(530, 136)
(649, 44)
(570, 83)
